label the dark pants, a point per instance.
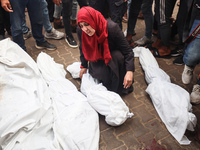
(4, 21)
(67, 11)
(164, 10)
(115, 12)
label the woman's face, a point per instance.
(86, 28)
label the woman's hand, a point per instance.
(57, 2)
(83, 71)
(128, 79)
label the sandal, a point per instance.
(155, 53)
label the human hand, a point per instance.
(128, 79)
(83, 71)
(125, 0)
(5, 4)
(57, 2)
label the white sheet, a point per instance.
(171, 101)
(107, 103)
(35, 116)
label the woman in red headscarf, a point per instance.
(102, 43)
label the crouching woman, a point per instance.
(103, 45)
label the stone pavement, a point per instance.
(145, 130)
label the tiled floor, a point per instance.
(145, 130)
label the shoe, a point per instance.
(27, 35)
(155, 45)
(195, 95)
(187, 75)
(177, 51)
(71, 42)
(2, 37)
(46, 45)
(179, 60)
(58, 24)
(54, 34)
(143, 41)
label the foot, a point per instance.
(179, 60)
(195, 95)
(177, 51)
(71, 42)
(45, 45)
(58, 24)
(54, 34)
(27, 35)
(187, 75)
(155, 45)
(143, 41)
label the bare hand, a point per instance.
(5, 4)
(57, 2)
(128, 79)
(125, 0)
(83, 71)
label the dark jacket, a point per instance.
(192, 13)
(116, 41)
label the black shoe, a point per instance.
(71, 42)
(179, 60)
(2, 37)
(45, 45)
(177, 51)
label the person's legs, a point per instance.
(164, 9)
(148, 17)
(133, 14)
(2, 31)
(74, 16)
(117, 12)
(36, 19)
(45, 15)
(57, 13)
(191, 56)
(16, 17)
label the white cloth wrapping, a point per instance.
(170, 101)
(107, 103)
(24, 96)
(76, 123)
(74, 69)
(35, 116)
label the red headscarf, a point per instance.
(94, 47)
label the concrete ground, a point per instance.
(145, 130)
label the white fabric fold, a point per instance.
(171, 101)
(106, 103)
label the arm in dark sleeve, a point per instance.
(124, 47)
(84, 63)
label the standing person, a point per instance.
(50, 32)
(117, 9)
(192, 53)
(102, 43)
(146, 7)
(67, 11)
(17, 10)
(163, 12)
(4, 23)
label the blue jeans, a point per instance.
(45, 15)
(146, 7)
(16, 18)
(192, 53)
(57, 11)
